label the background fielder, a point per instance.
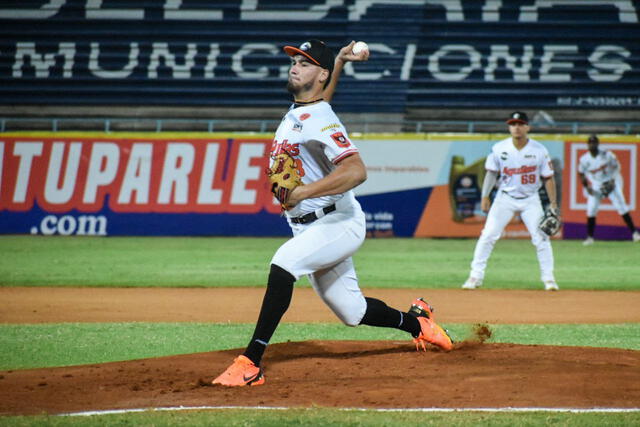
(522, 164)
(327, 221)
(599, 172)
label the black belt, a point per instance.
(513, 197)
(310, 217)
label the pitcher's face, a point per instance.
(303, 75)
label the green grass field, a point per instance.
(326, 417)
(66, 344)
(382, 263)
(211, 262)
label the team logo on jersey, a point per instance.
(340, 140)
(297, 127)
(504, 155)
(518, 171)
(305, 116)
(279, 147)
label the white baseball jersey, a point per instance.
(314, 136)
(603, 167)
(322, 249)
(520, 170)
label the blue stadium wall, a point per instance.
(425, 53)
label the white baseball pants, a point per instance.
(500, 213)
(322, 250)
(616, 197)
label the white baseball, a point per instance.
(359, 47)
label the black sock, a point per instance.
(380, 314)
(275, 303)
(629, 222)
(591, 225)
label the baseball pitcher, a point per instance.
(313, 170)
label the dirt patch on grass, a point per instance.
(343, 374)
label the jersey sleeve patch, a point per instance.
(340, 140)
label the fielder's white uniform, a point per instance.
(520, 178)
(599, 169)
(322, 249)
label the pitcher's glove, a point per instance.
(550, 223)
(607, 187)
(283, 176)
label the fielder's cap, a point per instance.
(315, 51)
(518, 117)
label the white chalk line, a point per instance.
(281, 408)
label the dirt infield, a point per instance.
(331, 373)
(48, 305)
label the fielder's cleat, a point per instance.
(472, 283)
(636, 236)
(551, 285)
(241, 372)
(588, 241)
(430, 331)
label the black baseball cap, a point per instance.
(315, 51)
(518, 117)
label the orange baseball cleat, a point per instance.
(240, 373)
(430, 331)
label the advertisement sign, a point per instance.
(115, 185)
(453, 209)
(186, 184)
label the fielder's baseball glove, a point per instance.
(607, 187)
(283, 176)
(550, 223)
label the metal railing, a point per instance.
(113, 124)
(57, 124)
(573, 127)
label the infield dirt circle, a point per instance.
(347, 374)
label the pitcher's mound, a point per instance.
(348, 374)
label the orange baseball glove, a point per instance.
(283, 176)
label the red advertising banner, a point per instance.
(158, 174)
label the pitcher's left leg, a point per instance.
(338, 287)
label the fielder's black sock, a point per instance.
(629, 222)
(591, 225)
(380, 314)
(275, 303)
